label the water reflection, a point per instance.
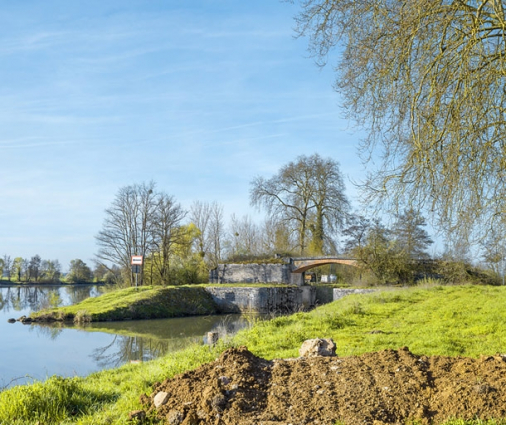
(42, 350)
(143, 340)
(34, 298)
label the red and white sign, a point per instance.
(136, 260)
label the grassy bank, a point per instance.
(145, 302)
(466, 321)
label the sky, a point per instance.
(198, 96)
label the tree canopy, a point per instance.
(307, 194)
(426, 78)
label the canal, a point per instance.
(35, 352)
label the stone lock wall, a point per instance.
(263, 300)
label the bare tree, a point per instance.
(494, 251)
(208, 217)
(25, 269)
(128, 226)
(356, 232)
(200, 216)
(34, 268)
(426, 78)
(244, 237)
(409, 233)
(7, 261)
(166, 233)
(216, 234)
(277, 237)
(308, 195)
(50, 271)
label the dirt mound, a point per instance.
(391, 386)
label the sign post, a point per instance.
(136, 263)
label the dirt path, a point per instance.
(391, 386)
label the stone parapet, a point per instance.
(251, 273)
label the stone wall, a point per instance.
(339, 293)
(263, 300)
(324, 294)
(251, 273)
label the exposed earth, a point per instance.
(391, 386)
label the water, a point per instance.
(37, 351)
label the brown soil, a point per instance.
(391, 386)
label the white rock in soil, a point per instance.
(160, 399)
(318, 347)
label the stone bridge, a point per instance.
(302, 264)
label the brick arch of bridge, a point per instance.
(306, 265)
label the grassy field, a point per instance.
(443, 320)
(450, 320)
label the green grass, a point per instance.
(450, 320)
(453, 320)
(101, 398)
(145, 302)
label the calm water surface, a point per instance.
(35, 352)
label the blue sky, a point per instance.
(199, 96)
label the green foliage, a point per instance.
(462, 272)
(179, 265)
(254, 259)
(384, 257)
(79, 272)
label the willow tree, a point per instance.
(426, 78)
(307, 195)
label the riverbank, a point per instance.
(466, 321)
(145, 302)
(148, 302)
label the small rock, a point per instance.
(175, 417)
(160, 399)
(219, 402)
(212, 338)
(318, 347)
(224, 380)
(137, 415)
(482, 389)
